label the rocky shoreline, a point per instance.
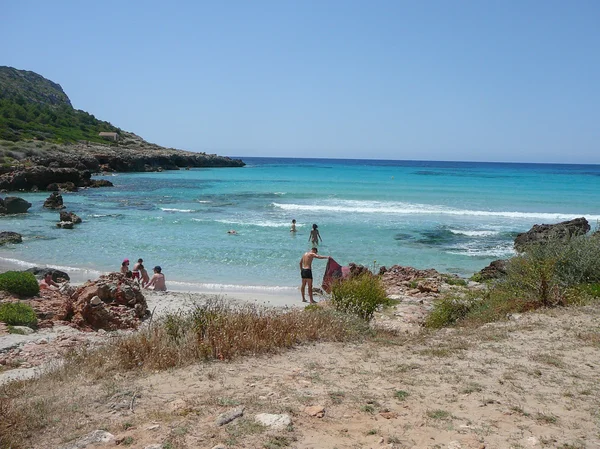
(44, 166)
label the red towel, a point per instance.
(333, 271)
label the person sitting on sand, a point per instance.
(314, 236)
(293, 228)
(157, 282)
(48, 283)
(135, 274)
(125, 266)
(306, 272)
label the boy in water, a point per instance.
(306, 272)
(293, 228)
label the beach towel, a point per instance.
(333, 271)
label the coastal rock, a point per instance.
(13, 205)
(24, 178)
(10, 237)
(122, 303)
(69, 216)
(57, 275)
(228, 416)
(98, 183)
(55, 200)
(494, 270)
(545, 232)
(65, 224)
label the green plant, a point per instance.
(360, 295)
(17, 314)
(401, 395)
(20, 283)
(448, 310)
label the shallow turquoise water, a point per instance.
(451, 216)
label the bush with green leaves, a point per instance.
(20, 283)
(360, 295)
(17, 314)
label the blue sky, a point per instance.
(428, 80)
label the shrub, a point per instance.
(360, 295)
(17, 314)
(448, 311)
(19, 283)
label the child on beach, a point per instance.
(315, 236)
(136, 275)
(145, 277)
(157, 282)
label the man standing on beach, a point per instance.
(306, 272)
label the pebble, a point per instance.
(229, 416)
(153, 427)
(273, 421)
(315, 410)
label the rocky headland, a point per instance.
(46, 144)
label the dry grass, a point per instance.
(213, 331)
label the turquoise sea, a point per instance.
(452, 216)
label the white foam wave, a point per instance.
(65, 268)
(498, 251)
(377, 207)
(262, 224)
(474, 233)
(218, 287)
(166, 209)
(203, 201)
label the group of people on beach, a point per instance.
(306, 261)
(140, 275)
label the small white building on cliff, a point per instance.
(109, 136)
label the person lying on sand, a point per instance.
(306, 272)
(157, 282)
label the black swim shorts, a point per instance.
(306, 273)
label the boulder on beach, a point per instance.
(546, 232)
(13, 205)
(10, 237)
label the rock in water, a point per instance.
(545, 232)
(10, 237)
(57, 275)
(54, 201)
(13, 205)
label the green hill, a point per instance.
(33, 107)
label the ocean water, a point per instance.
(453, 216)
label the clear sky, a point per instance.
(429, 80)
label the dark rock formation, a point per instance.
(546, 232)
(13, 205)
(10, 237)
(494, 270)
(65, 224)
(54, 201)
(69, 217)
(57, 275)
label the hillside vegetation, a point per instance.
(32, 107)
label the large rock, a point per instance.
(545, 232)
(13, 205)
(57, 275)
(55, 200)
(494, 270)
(123, 304)
(69, 217)
(10, 237)
(25, 178)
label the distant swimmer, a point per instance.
(157, 282)
(306, 272)
(293, 228)
(232, 232)
(315, 236)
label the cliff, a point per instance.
(45, 141)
